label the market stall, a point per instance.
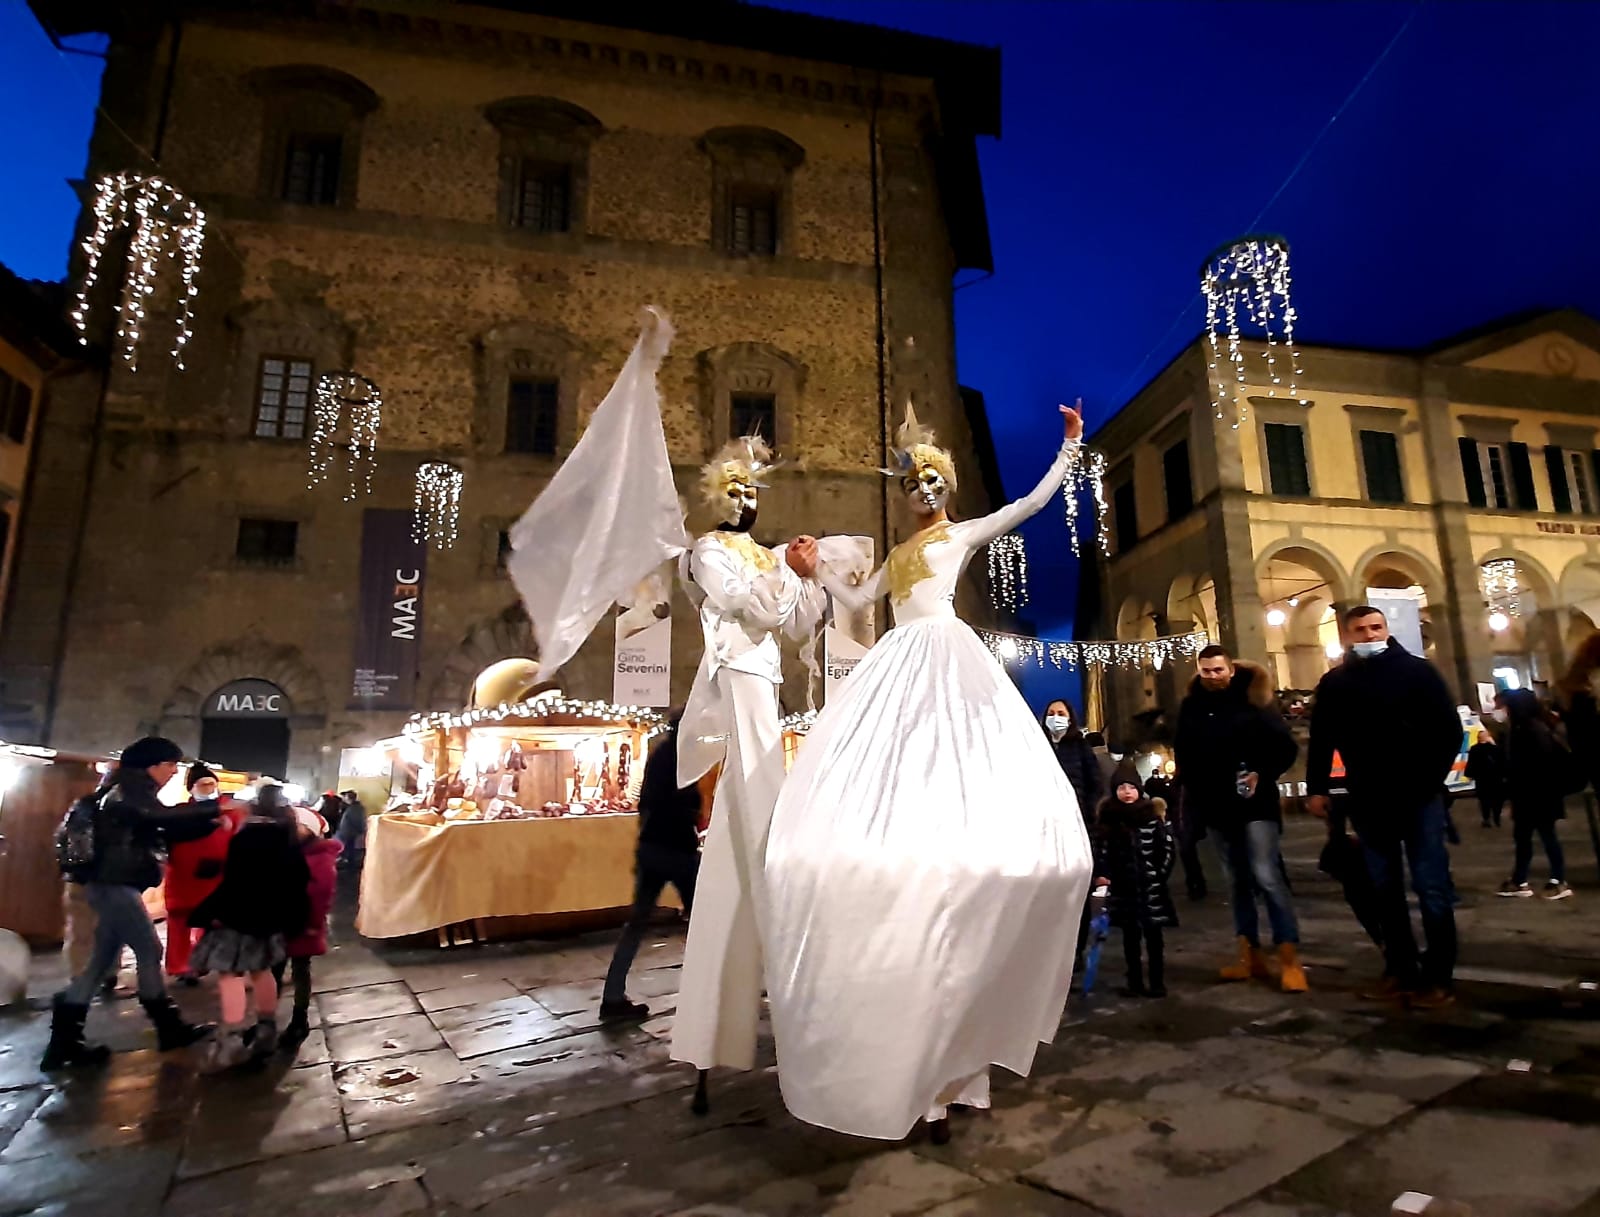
(522, 810)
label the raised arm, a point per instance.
(721, 577)
(981, 531)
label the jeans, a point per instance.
(1416, 838)
(1522, 831)
(352, 834)
(1252, 862)
(654, 868)
(120, 920)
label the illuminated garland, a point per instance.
(1008, 571)
(537, 706)
(438, 504)
(1502, 589)
(344, 398)
(166, 227)
(1249, 278)
(1088, 474)
(1155, 652)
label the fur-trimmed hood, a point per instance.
(1251, 677)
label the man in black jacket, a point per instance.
(668, 852)
(130, 829)
(1232, 747)
(1392, 720)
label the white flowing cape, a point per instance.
(608, 517)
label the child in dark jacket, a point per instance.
(1134, 853)
(322, 863)
(260, 904)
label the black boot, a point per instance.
(296, 1033)
(66, 1049)
(172, 1032)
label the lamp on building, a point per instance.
(1499, 622)
(1276, 616)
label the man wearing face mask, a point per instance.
(745, 593)
(1392, 720)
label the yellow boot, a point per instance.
(1251, 963)
(1292, 974)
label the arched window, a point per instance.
(311, 144)
(544, 162)
(751, 206)
(750, 388)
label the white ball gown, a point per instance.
(927, 862)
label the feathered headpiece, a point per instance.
(915, 450)
(745, 461)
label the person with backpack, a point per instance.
(1540, 771)
(111, 842)
(262, 902)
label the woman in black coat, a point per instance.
(1134, 852)
(1076, 757)
(1537, 767)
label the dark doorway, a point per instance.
(249, 745)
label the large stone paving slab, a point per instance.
(1195, 1162)
(382, 1037)
(244, 1118)
(1160, 1074)
(1012, 1200)
(894, 1184)
(367, 1002)
(512, 1022)
(1369, 1087)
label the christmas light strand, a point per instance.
(1008, 572)
(1502, 587)
(539, 706)
(1249, 280)
(437, 516)
(354, 403)
(1087, 477)
(1143, 652)
(166, 227)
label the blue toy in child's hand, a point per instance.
(1099, 929)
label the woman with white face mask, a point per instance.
(1076, 757)
(927, 860)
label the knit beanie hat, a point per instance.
(1126, 775)
(197, 774)
(149, 752)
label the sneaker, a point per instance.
(1556, 890)
(623, 1011)
(1519, 891)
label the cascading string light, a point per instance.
(1153, 652)
(356, 403)
(1249, 278)
(166, 226)
(438, 504)
(1502, 591)
(1087, 476)
(1008, 572)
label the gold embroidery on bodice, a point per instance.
(741, 543)
(908, 562)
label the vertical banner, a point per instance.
(840, 654)
(388, 652)
(1402, 607)
(850, 633)
(642, 673)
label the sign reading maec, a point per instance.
(248, 699)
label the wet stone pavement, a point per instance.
(477, 1080)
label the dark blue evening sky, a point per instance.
(1459, 184)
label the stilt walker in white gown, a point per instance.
(927, 860)
(745, 593)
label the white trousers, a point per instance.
(719, 998)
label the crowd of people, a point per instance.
(247, 886)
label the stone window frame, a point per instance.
(1392, 419)
(1176, 430)
(546, 130)
(750, 367)
(524, 349)
(280, 426)
(273, 328)
(1291, 413)
(749, 159)
(230, 514)
(316, 100)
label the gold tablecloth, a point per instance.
(419, 877)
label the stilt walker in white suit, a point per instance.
(745, 594)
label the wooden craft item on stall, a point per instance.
(546, 778)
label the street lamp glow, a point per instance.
(1008, 649)
(1276, 616)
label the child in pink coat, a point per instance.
(322, 857)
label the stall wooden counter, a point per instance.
(520, 811)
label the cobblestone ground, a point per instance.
(476, 1080)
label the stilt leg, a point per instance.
(939, 1131)
(701, 1104)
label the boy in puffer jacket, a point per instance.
(1134, 853)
